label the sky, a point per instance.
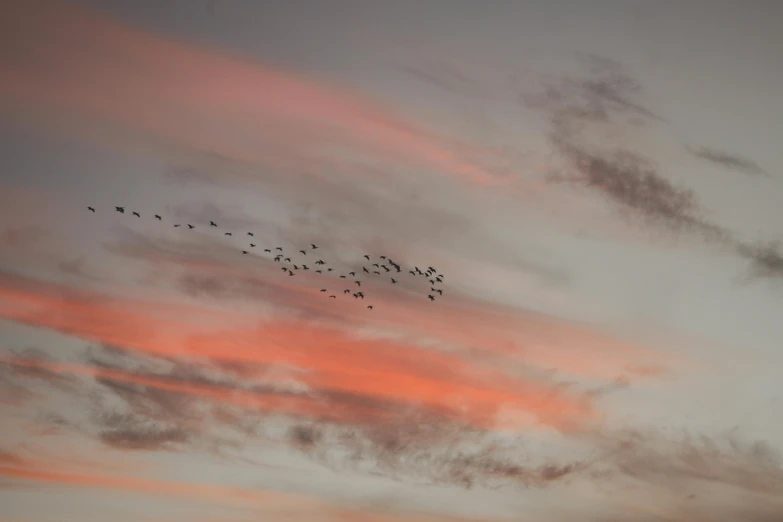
(599, 182)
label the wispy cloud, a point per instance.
(728, 161)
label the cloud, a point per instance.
(765, 258)
(728, 161)
(171, 92)
(128, 432)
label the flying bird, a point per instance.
(252, 245)
(296, 267)
(288, 259)
(277, 258)
(121, 210)
(304, 267)
(267, 250)
(228, 234)
(328, 269)
(375, 265)
(432, 281)
(175, 226)
(439, 291)
(158, 217)
(438, 279)
(323, 289)
(342, 277)
(393, 280)
(383, 257)
(250, 234)
(244, 251)
(370, 307)
(304, 252)
(290, 273)
(313, 246)
(191, 226)
(366, 257)
(212, 224)
(278, 248)
(430, 298)
(91, 209)
(365, 270)
(284, 269)
(346, 291)
(333, 296)
(358, 283)
(411, 272)
(318, 272)
(352, 273)
(137, 214)
(376, 272)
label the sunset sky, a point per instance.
(599, 182)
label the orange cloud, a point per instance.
(333, 359)
(75, 63)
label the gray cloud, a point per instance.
(765, 258)
(729, 161)
(129, 432)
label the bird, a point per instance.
(158, 217)
(411, 272)
(432, 281)
(91, 209)
(323, 289)
(430, 298)
(191, 226)
(358, 283)
(284, 269)
(250, 234)
(320, 262)
(333, 296)
(318, 272)
(383, 257)
(304, 267)
(356, 296)
(366, 257)
(328, 269)
(352, 273)
(278, 248)
(346, 291)
(438, 279)
(365, 270)
(433, 289)
(121, 210)
(137, 214)
(342, 277)
(375, 265)
(360, 294)
(376, 272)
(228, 234)
(290, 273)
(288, 259)
(304, 252)
(175, 226)
(244, 251)
(370, 307)
(277, 258)
(439, 291)
(386, 268)
(267, 250)
(394, 281)
(212, 224)
(433, 270)
(296, 267)
(313, 246)
(252, 245)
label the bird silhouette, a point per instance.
(277, 258)
(304, 267)
(356, 296)
(320, 262)
(190, 226)
(375, 265)
(360, 294)
(250, 234)
(432, 281)
(323, 289)
(439, 279)
(383, 257)
(229, 234)
(296, 267)
(244, 251)
(318, 272)
(288, 259)
(328, 269)
(352, 273)
(137, 214)
(158, 217)
(439, 291)
(121, 210)
(212, 224)
(367, 257)
(313, 246)
(365, 270)
(175, 226)
(304, 252)
(333, 296)
(346, 291)
(267, 250)
(358, 283)
(376, 272)
(370, 307)
(394, 281)
(411, 272)
(342, 277)
(91, 209)
(432, 269)
(252, 245)
(290, 273)
(284, 269)
(278, 248)
(386, 268)
(430, 298)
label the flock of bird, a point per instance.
(291, 266)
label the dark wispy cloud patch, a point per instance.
(766, 260)
(728, 161)
(25, 374)
(130, 432)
